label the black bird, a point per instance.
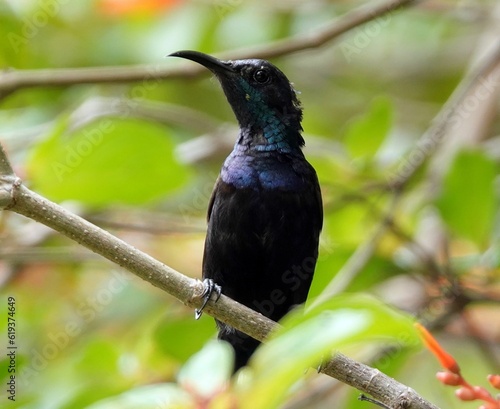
(265, 214)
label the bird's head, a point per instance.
(260, 95)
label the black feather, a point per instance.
(265, 214)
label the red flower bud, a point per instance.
(482, 393)
(494, 380)
(465, 394)
(449, 378)
(446, 360)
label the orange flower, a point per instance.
(448, 378)
(121, 7)
(465, 394)
(446, 360)
(494, 380)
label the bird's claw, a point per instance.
(209, 287)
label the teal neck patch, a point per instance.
(278, 135)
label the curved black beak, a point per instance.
(213, 64)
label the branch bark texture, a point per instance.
(187, 290)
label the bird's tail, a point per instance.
(243, 345)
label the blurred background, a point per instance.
(414, 221)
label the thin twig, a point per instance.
(336, 28)
(97, 107)
(13, 80)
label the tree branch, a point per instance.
(336, 28)
(23, 201)
(13, 80)
(377, 384)
(187, 290)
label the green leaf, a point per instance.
(468, 201)
(108, 161)
(147, 397)
(375, 272)
(349, 224)
(209, 370)
(180, 337)
(306, 338)
(100, 357)
(366, 133)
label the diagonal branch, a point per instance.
(13, 80)
(187, 290)
(28, 203)
(484, 78)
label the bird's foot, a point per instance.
(209, 287)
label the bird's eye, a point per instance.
(261, 76)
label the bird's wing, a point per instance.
(212, 199)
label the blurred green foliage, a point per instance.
(90, 336)
(475, 173)
(128, 157)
